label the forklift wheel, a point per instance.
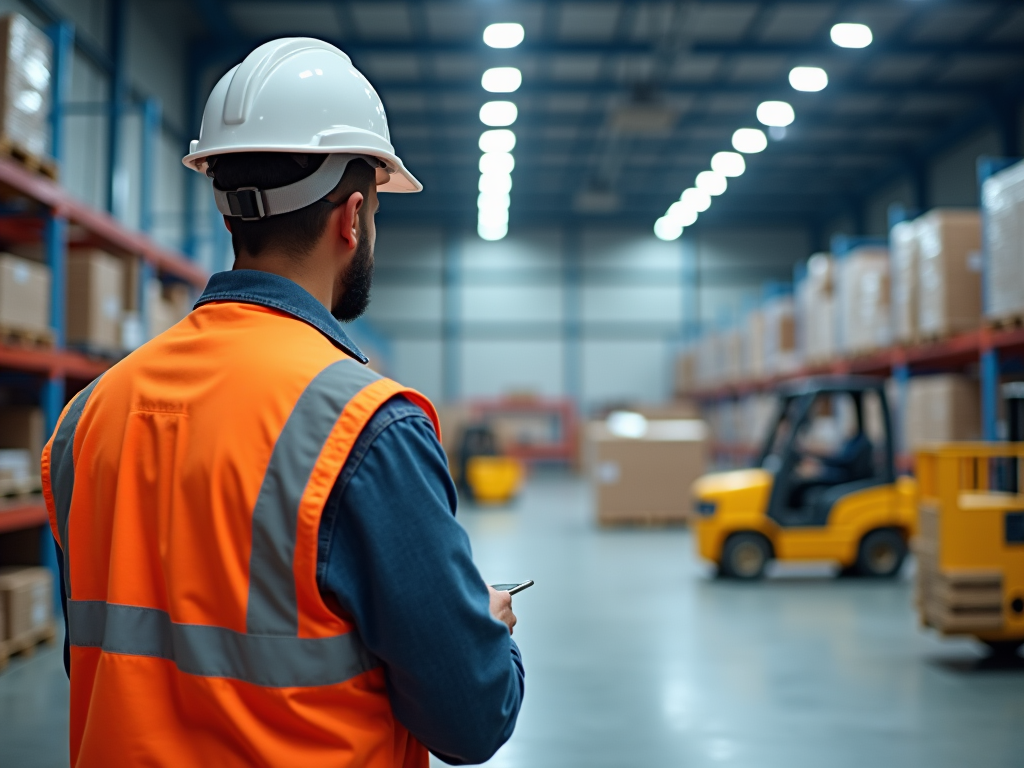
(745, 556)
(1004, 649)
(881, 553)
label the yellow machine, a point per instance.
(494, 479)
(970, 548)
(847, 506)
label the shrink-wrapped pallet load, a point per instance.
(949, 263)
(731, 356)
(780, 335)
(863, 300)
(753, 352)
(25, 96)
(817, 310)
(903, 249)
(1002, 197)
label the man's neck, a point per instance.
(304, 273)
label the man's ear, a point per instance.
(227, 223)
(348, 219)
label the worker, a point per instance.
(260, 561)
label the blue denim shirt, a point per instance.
(393, 557)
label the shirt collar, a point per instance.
(251, 286)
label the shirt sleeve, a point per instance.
(393, 556)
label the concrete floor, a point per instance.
(636, 658)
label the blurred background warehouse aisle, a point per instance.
(721, 304)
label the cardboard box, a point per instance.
(95, 299)
(167, 305)
(22, 427)
(780, 350)
(24, 295)
(685, 379)
(944, 408)
(754, 366)
(648, 479)
(26, 599)
(731, 351)
(903, 250)
(1002, 196)
(27, 65)
(864, 305)
(816, 320)
(949, 252)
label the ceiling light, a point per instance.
(851, 35)
(493, 200)
(777, 132)
(728, 163)
(502, 79)
(809, 79)
(493, 216)
(711, 182)
(491, 230)
(504, 35)
(500, 183)
(498, 113)
(749, 140)
(681, 214)
(778, 113)
(667, 230)
(696, 199)
(497, 162)
(501, 140)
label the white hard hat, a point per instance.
(300, 95)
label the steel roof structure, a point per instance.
(623, 103)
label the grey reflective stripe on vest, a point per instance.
(273, 606)
(62, 472)
(269, 661)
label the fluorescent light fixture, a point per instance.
(777, 113)
(808, 79)
(851, 35)
(500, 183)
(502, 79)
(777, 132)
(696, 199)
(749, 140)
(504, 35)
(498, 113)
(487, 200)
(491, 230)
(728, 164)
(711, 182)
(493, 216)
(497, 162)
(682, 214)
(499, 140)
(664, 229)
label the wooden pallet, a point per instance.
(962, 600)
(44, 166)
(645, 521)
(1007, 322)
(26, 337)
(25, 644)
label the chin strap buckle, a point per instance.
(246, 203)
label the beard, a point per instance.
(357, 281)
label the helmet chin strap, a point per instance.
(253, 204)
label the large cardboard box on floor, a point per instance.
(1002, 196)
(24, 295)
(864, 303)
(95, 299)
(942, 408)
(26, 65)
(949, 264)
(647, 479)
(26, 600)
(903, 251)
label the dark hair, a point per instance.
(294, 233)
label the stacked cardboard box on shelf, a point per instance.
(903, 249)
(863, 300)
(1002, 197)
(685, 379)
(167, 305)
(645, 476)
(942, 408)
(27, 60)
(24, 297)
(26, 606)
(949, 265)
(95, 300)
(780, 352)
(754, 366)
(731, 356)
(817, 310)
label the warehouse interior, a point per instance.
(674, 264)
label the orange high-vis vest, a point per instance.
(185, 488)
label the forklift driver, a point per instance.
(853, 461)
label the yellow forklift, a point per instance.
(842, 503)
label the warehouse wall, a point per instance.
(595, 314)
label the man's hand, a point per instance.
(501, 608)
